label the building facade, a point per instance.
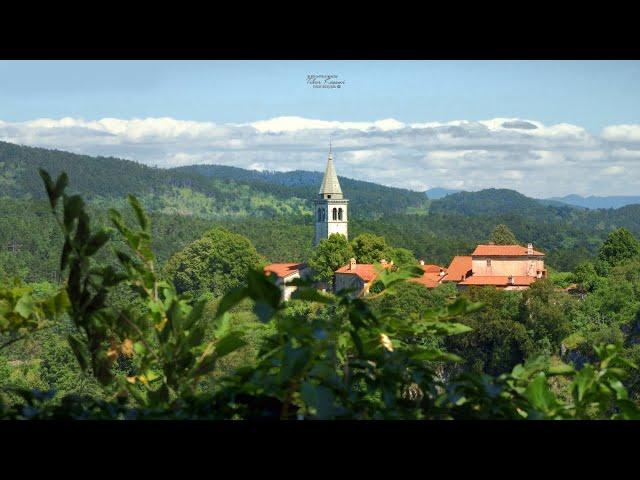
(330, 207)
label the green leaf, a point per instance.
(96, 242)
(319, 399)
(79, 350)
(61, 184)
(231, 299)
(25, 306)
(49, 186)
(66, 250)
(583, 381)
(435, 355)
(294, 361)
(560, 369)
(448, 328)
(194, 315)
(262, 289)
(73, 206)
(143, 219)
(229, 343)
(539, 395)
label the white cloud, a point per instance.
(523, 154)
(622, 133)
(613, 170)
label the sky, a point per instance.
(544, 128)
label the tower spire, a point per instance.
(330, 185)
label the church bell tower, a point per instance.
(330, 205)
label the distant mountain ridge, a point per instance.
(591, 202)
(594, 202)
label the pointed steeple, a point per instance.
(330, 184)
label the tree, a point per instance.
(501, 235)
(402, 257)
(619, 247)
(544, 311)
(585, 275)
(215, 263)
(370, 248)
(330, 254)
(498, 341)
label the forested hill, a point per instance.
(209, 191)
(304, 184)
(495, 202)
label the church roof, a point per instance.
(330, 184)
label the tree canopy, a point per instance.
(330, 254)
(501, 235)
(370, 248)
(215, 263)
(620, 246)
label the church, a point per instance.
(509, 267)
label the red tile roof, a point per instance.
(366, 271)
(283, 270)
(502, 250)
(431, 268)
(460, 267)
(431, 277)
(498, 280)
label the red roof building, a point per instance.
(283, 270)
(285, 273)
(357, 276)
(512, 267)
(432, 277)
(459, 269)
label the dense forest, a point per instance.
(107, 311)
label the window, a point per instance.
(488, 262)
(335, 213)
(328, 196)
(319, 214)
(339, 214)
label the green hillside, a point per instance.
(206, 191)
(272, 209)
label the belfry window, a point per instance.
(335, 213)
(339, 214)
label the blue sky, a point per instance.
(440, 123)
(589, 93)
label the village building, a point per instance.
(286, 272)
(461, 268)
(433, 275)
(357, 277)
(510, 267)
